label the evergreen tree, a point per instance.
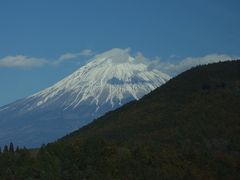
(5, 149)
(11, 148)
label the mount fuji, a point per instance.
(108, 81)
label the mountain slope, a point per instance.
(186, 129)
(206, 93)
(107, 82)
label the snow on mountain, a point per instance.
(108, 81)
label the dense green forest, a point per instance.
(189, 128)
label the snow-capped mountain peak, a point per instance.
(108, 81)
(109, 78)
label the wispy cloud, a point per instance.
(21, 61)
(175, 67)
(189, 62)
(71, 56)
(172, 68)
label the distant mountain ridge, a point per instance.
(110, 80)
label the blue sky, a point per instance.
(49, 30)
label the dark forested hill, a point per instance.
(189, 128)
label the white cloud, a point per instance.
(71, 56)
(120, 55)
(187, 63)
(171, 68)
(21, 61)
(141, 58)
(174, 68)
(87, 52)
(67, 56)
